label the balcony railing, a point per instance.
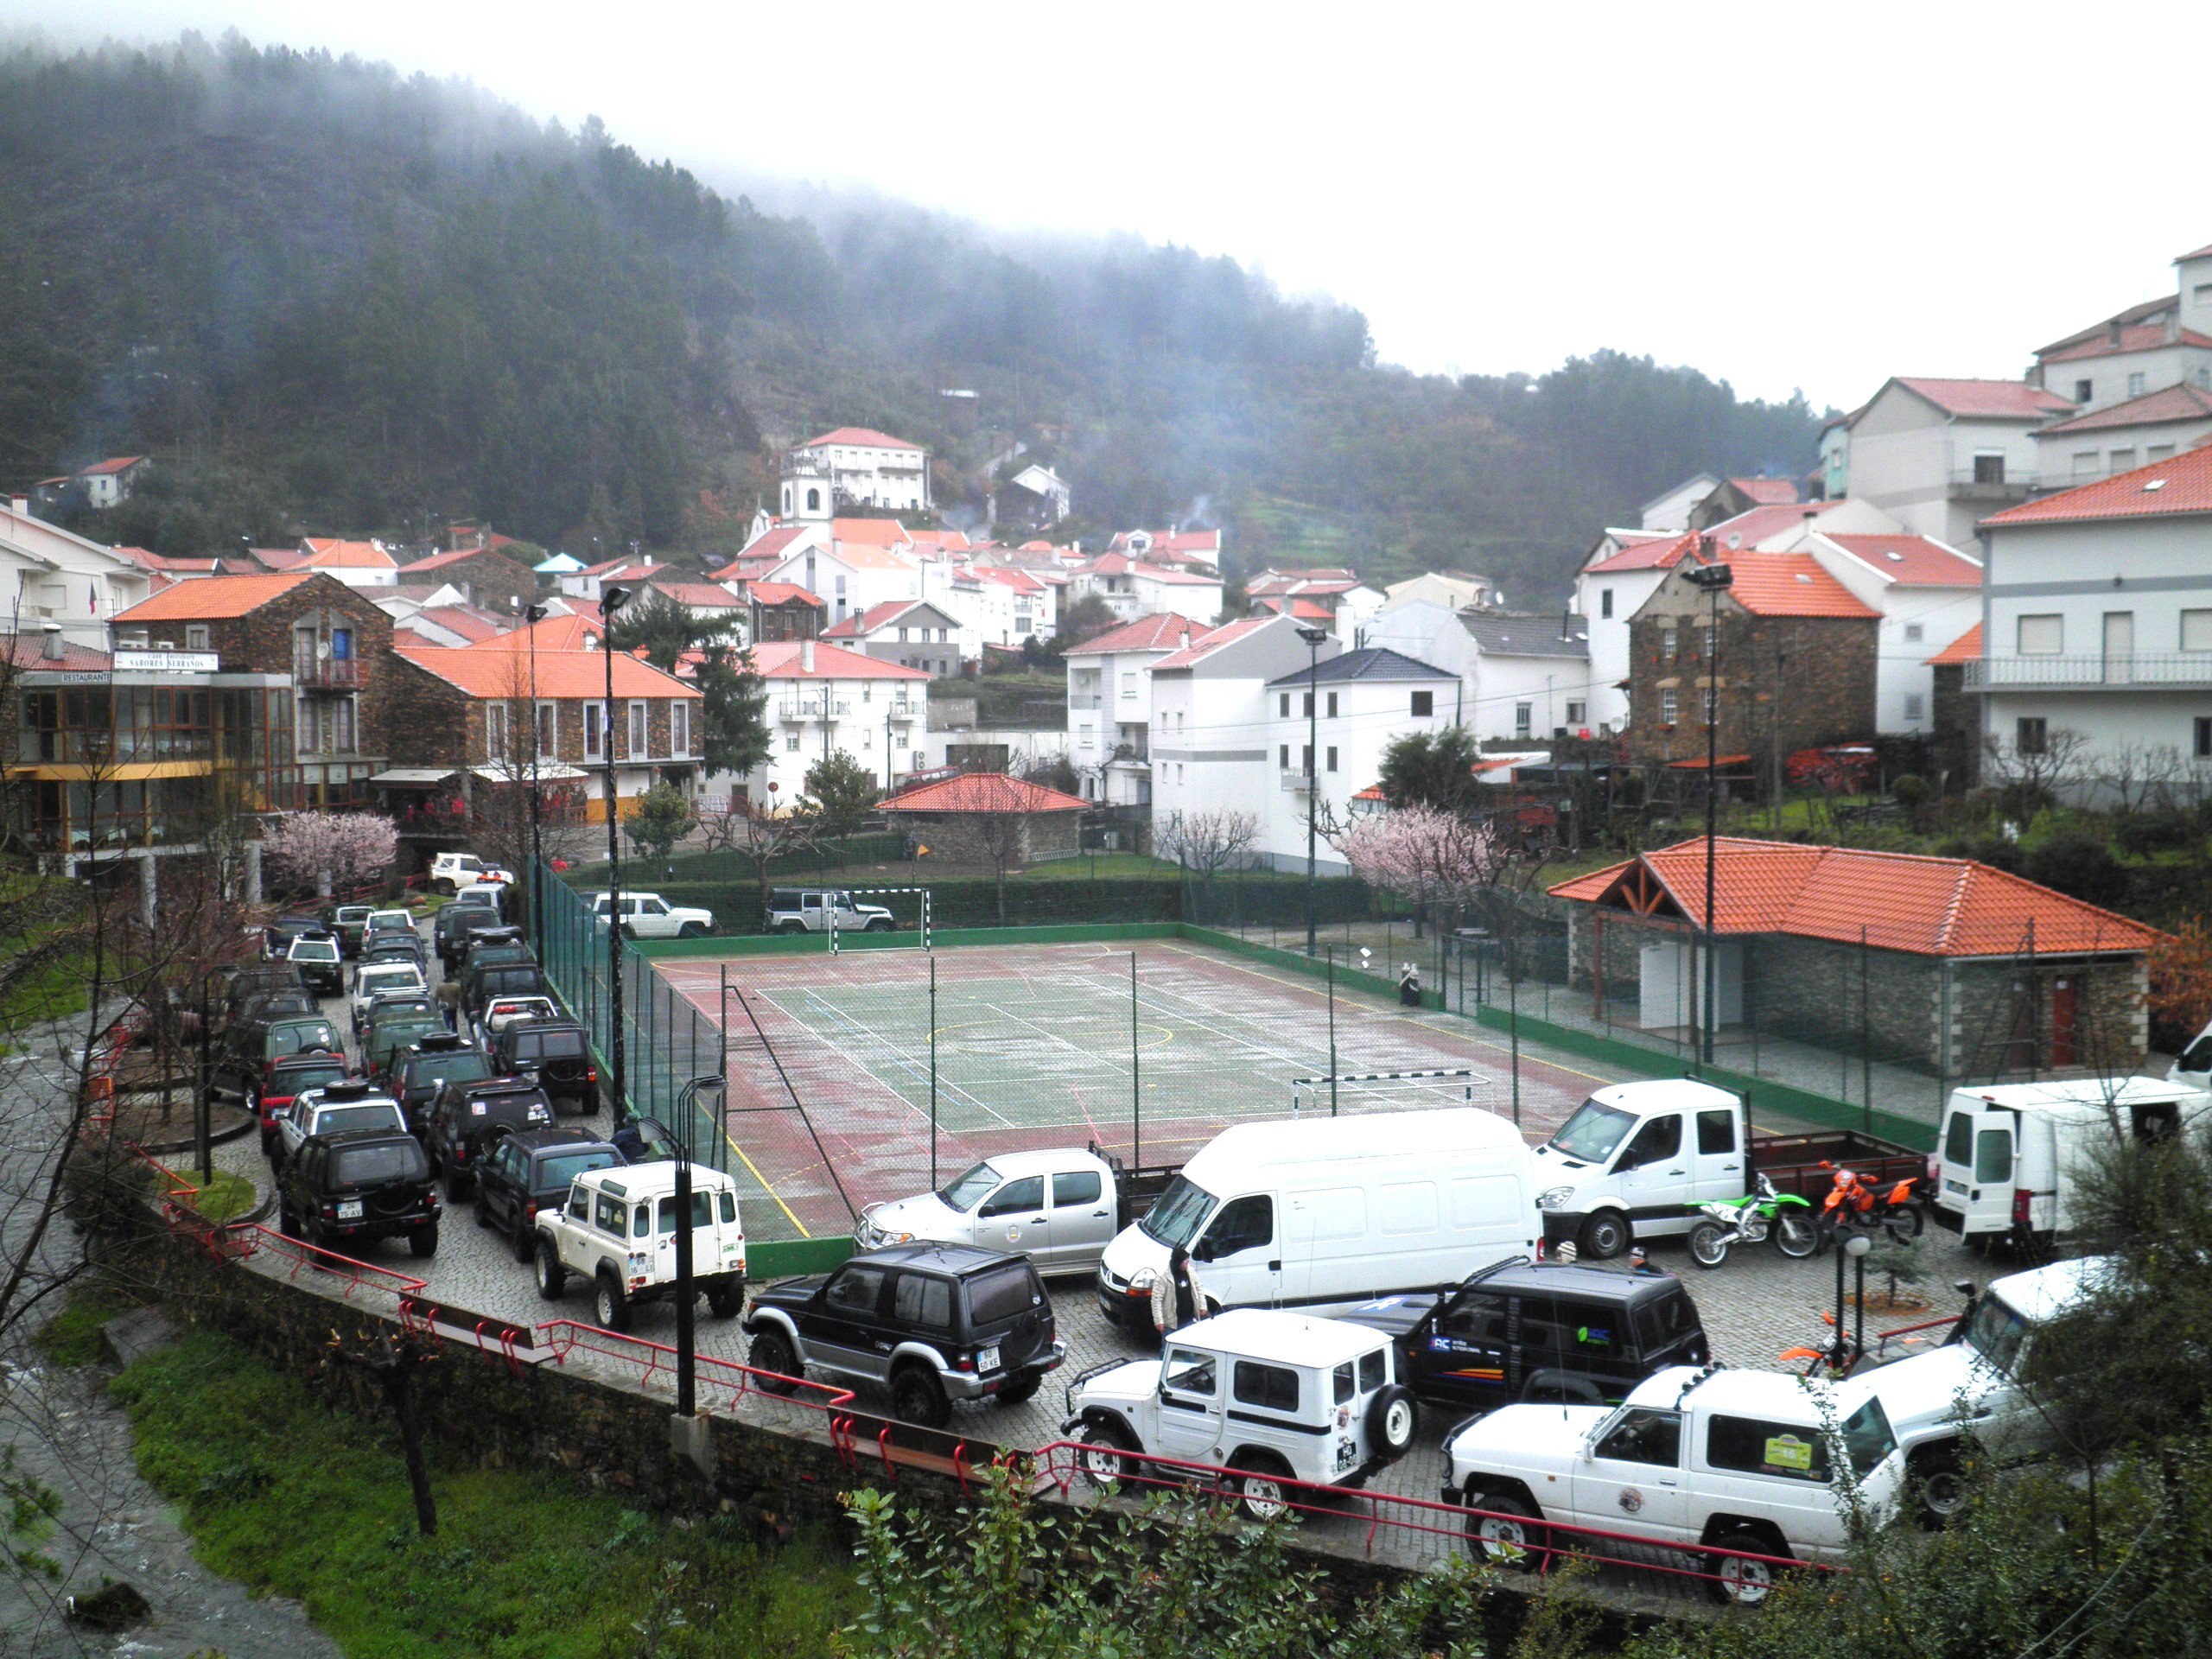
(1298, 782)
(1967, 485)
(2140, 671)
(1084, 700)
(812, 709)
(336, 673)
(899, 708)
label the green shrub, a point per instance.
(2078, 865)
(2155, 829)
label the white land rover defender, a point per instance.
(1698, 1460)
(617, 1232)
(1274, 1396)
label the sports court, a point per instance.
(1147, 1049)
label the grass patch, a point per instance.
(289, 1497)
(72, 1336)
(225, 1197)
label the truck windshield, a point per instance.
(1866, 1437)
(1996, 1332)
(1594, 1132)
(1176, 1217)
(967, 1191)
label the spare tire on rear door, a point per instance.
(1391, 1421)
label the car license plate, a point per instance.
(987, 1360)
(350, 1209)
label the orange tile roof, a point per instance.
(1647, 553)
(1372, 792)
(490, 674)
(1916, 561)
(547, 633)
(1204, 646)
(2003, 399)
(114, 464)
(2143, 337)
(209, 598)
(868, 621)
(700, 595)
(983, 792)
(859, 437)
(471, 624)
(1163, 631)
(332, 555)
(1791, 584)
(1966, 648)
(1896, 901)
(779, 659)
(2179, 484)
(1768, 492)
(870, 532)
(439, 560)
(2162, 407)
(783, 593)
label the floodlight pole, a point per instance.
(531, 617)
(1713, 578)
(610, 599)
(1312, 637)
(686, 1356)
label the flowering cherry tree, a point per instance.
(331, 850)
(1427, 856)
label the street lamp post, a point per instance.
(686, 1355)
(203, 1124)
(1714, 579)
(531, 617)
(610, 600)
(1312, 637)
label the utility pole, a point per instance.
(1312, 637)
(610, 599)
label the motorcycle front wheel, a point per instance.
(1795, 1235)
(1708, 1243)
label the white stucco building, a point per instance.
(2097, 619)
(1212, 729)
(1109, 704)
(62, 578)
(851, 574)
(1670, 509)
(1515, 674)
(2145, 347)
(1132, 587)
(2122, 436)
(821, 699)
(855, 467)
(1326, 729)
(1928, 594)
(1938, 455)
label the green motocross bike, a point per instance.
(1755, 1217)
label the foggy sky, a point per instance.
(1801, 197)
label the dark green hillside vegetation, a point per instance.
(329, 298)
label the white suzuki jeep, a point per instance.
(1274, 1396)
(1697, 1460)
(617, 1232)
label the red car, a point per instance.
(283, 1080)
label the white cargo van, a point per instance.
(2011, 1153)
(1325, 1213)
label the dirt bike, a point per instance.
(1837, 1354)
(1753, 1219)
(1853, 1205)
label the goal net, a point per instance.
(907, 924)
(1392, 1091)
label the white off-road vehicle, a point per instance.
(450, 872)
(649, 916)
(617, 1232)
(1701, 1460)
(1274, 1396)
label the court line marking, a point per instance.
(767, 1185)
(911, 1065)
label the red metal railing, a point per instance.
(1390, 1515)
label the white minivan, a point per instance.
(2011, 1153)
(1325, 1213)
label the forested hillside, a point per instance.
(329, 298)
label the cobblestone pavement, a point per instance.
(1755, 1307)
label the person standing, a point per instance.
(1171, 1299)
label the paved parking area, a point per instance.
(1758, 1305)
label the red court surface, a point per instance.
(1043, 1045)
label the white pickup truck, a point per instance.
(617, 1232)
(1701, 1461)
(649, 916)
(450, 872)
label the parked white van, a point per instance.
(2011, 1153)
(1325, 1213)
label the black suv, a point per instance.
(509, 979)
(556, 1053)
(431, 1062)
(343, 1190)
(1535, 1330)
(454, 925)
(250, 1046)
(492, 947)
(530, 1171)
(465, 1118)
(935, 1322)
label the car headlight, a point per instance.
(1554, 1196)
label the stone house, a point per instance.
(490, 581)
(333, 640)
(1031, 822)
(1940, 963)
(1798, 657)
